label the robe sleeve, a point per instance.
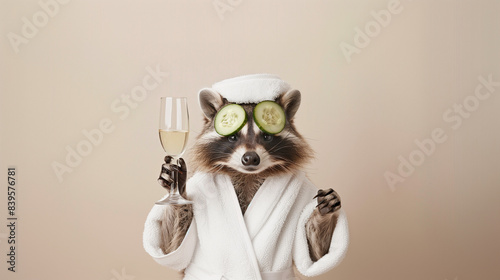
(338, 245)
(178, 259)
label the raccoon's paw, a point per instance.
(167, 175)
(328, 201)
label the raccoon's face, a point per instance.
(250, 150)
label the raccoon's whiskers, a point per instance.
(283, 139)
(221, 156)
(216, 168)
(283, 147)
(289, 162)
(220, 167)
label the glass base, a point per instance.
(173, 199)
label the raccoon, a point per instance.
(248, 158)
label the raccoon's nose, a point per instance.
(250, 158)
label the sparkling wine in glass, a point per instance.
(174, 131)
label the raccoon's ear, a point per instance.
(290, 102)
(210, 102)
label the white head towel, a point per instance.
(251, 88)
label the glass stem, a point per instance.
(174, 191)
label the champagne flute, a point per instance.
(174, 130)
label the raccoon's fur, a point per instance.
(285, 152)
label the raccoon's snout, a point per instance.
(250, 158)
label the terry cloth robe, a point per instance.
(221, 243)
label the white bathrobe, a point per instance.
(221, 243)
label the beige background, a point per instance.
(442, 222)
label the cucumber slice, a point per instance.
(230, 119)
(269, 117)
